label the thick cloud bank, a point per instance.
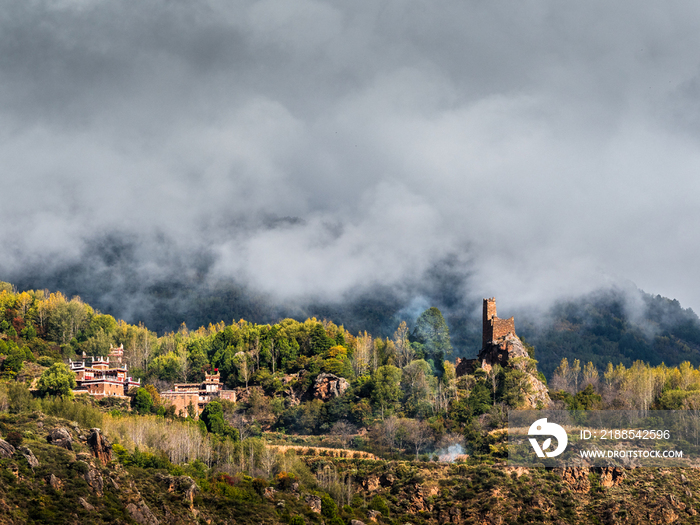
(310, 150)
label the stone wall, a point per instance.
(500, 328)
(105, 389)
(181, 400)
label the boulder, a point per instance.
(314, 503)
(6, 450)
(60, 437)
(85, 504)
(99, 446)
(373, 515)
(140, 513)
(29, 456)
(94, 479)
(54, 482)
(328, 386)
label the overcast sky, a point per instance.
(312, 148)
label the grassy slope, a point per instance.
(415, 492)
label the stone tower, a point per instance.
(495, 329)
(489, 313)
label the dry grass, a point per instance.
(344, 453)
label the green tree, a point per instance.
(143, 402)
(328, 507)
(386, 391)
(433, 333)
(57, 380)
(196, 362)
(213, 418)
(167, 367)
(319, 341)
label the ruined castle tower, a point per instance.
(501, 346)
(495, 329)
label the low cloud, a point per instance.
(317, 152)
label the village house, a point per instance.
(197, 394)
(98, 377)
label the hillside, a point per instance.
(78, 485)
(325, 426)
(616, 326)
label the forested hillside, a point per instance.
(617, 327)
(290, 450)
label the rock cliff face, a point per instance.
(60, 437)
(99, 446)
(328, 386)
(502, 352)
(6, 450)
(510, 351)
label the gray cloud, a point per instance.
(314, 149)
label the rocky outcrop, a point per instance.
(577, 478)
(60, 437)
(54, 482)
(373, 515)
(510, 352)
(6, 450)
(328, 386)
(85, 504)
(610, 476)
(501, 352)
(99, 446)
(29, 456)
(184, 485)
(314, 503)
(94, 479)
(140, 513)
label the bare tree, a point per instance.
(404, 352)
(255, 351)
(245, 367)
(362, 356)
(344, 431)
(418, 434)
(268, 459)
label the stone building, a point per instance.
(499, 343)
(197, 394)
(97, 377)
(501, 346)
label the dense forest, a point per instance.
(615, 326)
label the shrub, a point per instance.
(14, 438)
(45, 360)
(297, 520)
(328, 507)
(378, 503)
(285, 480)
(20, 398)
(259, 485)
